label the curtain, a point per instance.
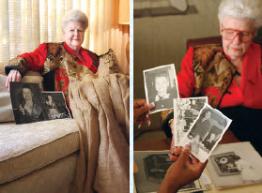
(25, 24)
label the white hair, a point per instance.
(75, 16)
(242, 9)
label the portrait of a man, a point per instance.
(26, 102)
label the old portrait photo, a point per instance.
(55, 105)
(186, 111)
(26, 102)
(206, 131)
(226, 163)
(156, 166)
(161, 86)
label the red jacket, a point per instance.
(248, 94)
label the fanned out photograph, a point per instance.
(186, 110)
(206, 131)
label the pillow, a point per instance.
(6, 112)
(108, 64)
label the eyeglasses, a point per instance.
(230, 34)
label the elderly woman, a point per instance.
(231, 74)
(58, 61)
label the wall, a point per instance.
(162, 40)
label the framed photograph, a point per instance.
(161, 86)
(186, 110)
(55, 105)
(206, 131)
(226, 163)
(26, 102)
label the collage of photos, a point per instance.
(130, 96)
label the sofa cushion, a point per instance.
(29, 147)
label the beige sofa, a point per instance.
(38, 157)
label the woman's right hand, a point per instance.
(13, 76)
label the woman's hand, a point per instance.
(141, 111)
(13, 76)
(184, 171)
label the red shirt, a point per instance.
(248, 93)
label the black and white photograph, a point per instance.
(156, 166)
(226, 163)
(26, 102)
(186, 111)
(235, 164)
(55, 105)
(152, 166)
(206, 132)
(161, 86)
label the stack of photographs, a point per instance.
(195, 122)
(235, 164)
(29, 104)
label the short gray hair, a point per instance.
(75, 16)
(242, 9)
